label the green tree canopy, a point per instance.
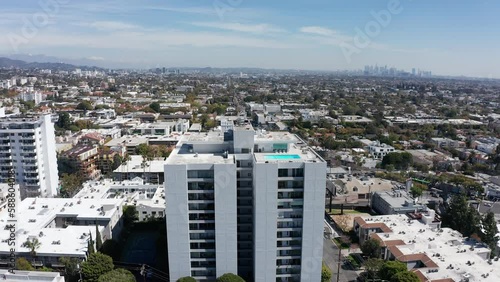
(371, 248)
(117, 161)
(405, 276)
(155, 106)
(66, 166)
(416, 191)
(461, 217)
(64, 121)
(186, 279)
(143, 149)
(229, 277)
(70, 184)
(489, 231)
(90, 245)
(70, 267)
(117, 275)
(23, 264)
(96, 265)
(98, 239)
(130, 214)
(326, 274)
(85, 105)
(400, 161)
(373, 266)
(390, 268)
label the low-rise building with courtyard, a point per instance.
(433, 253)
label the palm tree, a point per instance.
(143, 165)
(128, 158)
(150, 158)
(33, 245)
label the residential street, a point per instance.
(331, 258)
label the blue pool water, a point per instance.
(282, 157)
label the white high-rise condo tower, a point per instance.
(245, 202)
(28, 146)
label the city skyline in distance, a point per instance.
(28, 61)
(319, 35)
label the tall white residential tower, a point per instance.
(28, 146)
(245, 202)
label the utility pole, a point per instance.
(338, 264)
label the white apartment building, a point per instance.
(161, 128)
(378, 151)
(149, 199)
(62, 226)
(245, 202)
(31, 96)
(27, 145)
(5, 84)
(433, 253)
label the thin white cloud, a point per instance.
(332, 37)
(139, 40)
(239, 27)
(324, 36)
(318, 30)
(185, 10)
(108, 25)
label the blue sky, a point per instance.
(455, 37)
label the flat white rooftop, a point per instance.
(135, 165)
(445, 249)
(32, 276)
(130, 191)
(35, 219)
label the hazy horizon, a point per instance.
(445, 37)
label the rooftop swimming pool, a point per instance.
(281, 157)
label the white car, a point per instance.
(487, 204)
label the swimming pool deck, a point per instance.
(281, 157)
(303, 153)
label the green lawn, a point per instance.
(339, 243)
(354, 260)
(346, 211)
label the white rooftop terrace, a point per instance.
(444, 247)
(135, 165)
(128, 140)
(201, 137)
(181, 156)
(35, 218)
(294, 154)
(160, 125)
(130, 191)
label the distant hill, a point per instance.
(10, 63)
